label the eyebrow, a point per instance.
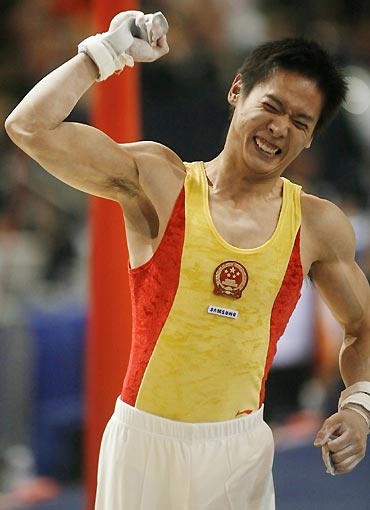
(301, 115)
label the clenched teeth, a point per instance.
(267, 147)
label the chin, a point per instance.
(257, 166)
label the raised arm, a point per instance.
(345, 289)
(77, 154)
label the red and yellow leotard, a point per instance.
(207, 315)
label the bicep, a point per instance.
(85, 158)
(338, 277)
(345, 289)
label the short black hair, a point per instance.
(301, 56)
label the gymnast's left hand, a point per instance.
(343, 439)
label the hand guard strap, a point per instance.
(359, 410)
(359, 387)
(107, 50)
(357, 398)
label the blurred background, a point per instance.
(44, 237)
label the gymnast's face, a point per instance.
(275, 121)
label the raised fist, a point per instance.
(132, 36)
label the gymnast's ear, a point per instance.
(235, 90)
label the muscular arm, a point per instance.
(346, 291)
(344, 287)
(77, 154)
(85, 157)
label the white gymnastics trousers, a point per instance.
(152, 463)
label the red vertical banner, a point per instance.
(115, 111)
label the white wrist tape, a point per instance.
(357, 398)
(359, 387)
(361, 399)
(107, 50)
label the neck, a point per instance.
(230, 179)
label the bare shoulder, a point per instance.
(328, 233)
(154, 155)
(327, 226)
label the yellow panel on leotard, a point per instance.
(208, 367)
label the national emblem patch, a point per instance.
(230, 279)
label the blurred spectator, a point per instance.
(42, 268)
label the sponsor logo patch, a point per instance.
(230, 279)
(223, 312)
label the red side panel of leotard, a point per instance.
(153, 288)
(284, 305)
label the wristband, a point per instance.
(108, 50)
(357, 398)
(358, 387)
(105, 58)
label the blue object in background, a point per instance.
(58, 336)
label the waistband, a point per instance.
(151, 423)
